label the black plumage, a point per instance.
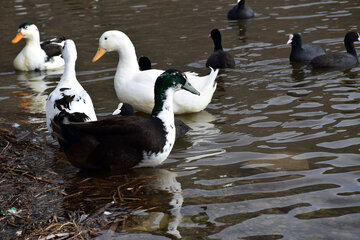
(114, 143)
(303, 52)
(64, 102)
(339, 60)
(219, 58)
(240, 11)
(144, 63)
(127, 110)
(52, 47)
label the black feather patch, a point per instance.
(52, 47)
(25, 24)
(64, 89)
(71, 117)
(64, 103)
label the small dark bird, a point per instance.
(303, 52)
(240, 11)
(127, 141)
(339, 60)
(219, 58)
(144, 63)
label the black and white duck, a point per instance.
(240, 11)
(219, 58)
(339, 59)
(127, 141)
(69, 102)
(36, 55)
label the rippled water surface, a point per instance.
(276, 153)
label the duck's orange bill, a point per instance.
(100, 52)
(18, 37)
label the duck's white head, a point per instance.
(27, 31)
(69, 51)
(113, 40)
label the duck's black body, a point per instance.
(125, 109)
(144, 63)
(219, 58)
(126, 141)
(240, 11)
(339, 60)
(303, 52)
(114, 143)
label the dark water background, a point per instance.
(276, 153)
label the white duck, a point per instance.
(36, 55)
(69, 102)
(137, 87)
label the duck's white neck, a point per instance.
(33, 40)
(128, 65)
(69, 75)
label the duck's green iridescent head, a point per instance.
(170, 79)
(175, 79)
(25, 25)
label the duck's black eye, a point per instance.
(105, 38)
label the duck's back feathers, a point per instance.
(206, 85)
(70, 105)
(115, 143)
(52, 47)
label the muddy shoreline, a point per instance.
(43, 196)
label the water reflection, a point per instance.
(150, 197)
(33, 86)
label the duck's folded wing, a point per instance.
(52, 47)
(110, 126)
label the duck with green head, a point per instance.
(127, 141)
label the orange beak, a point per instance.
(18, 37)
(100, 52)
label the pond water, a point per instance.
(276, 155)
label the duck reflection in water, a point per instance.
(33, 89)
(145, 200)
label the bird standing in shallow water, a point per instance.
(69, 102)
(240, 11)
(36, 55)
(127, 141)
(219, 58)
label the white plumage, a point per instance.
(69, 101)
(137, 87)
(37, 55)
